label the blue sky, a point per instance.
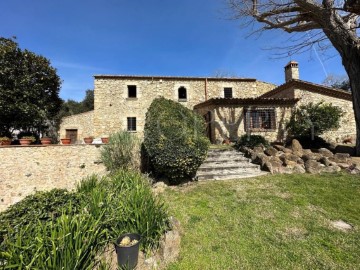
(148, 37)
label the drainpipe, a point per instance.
(205, 89)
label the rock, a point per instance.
(312, 166)
(159, 187)
(169, 247)
(299, 169)
(343, 165)
(259, 149)
(287, 151)
(331, 169)
(259, 158)
(312, 156)
(296, 148)
(325, 152)
(273, 165)
(279, 147)
(289, 163)
(325, 161)
(271, 151)
(307, 151)
(340, 158)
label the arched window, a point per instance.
(182, 93)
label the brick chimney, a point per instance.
(291, 71)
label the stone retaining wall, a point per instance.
(26, 169)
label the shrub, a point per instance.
(251, 141)
(122, 152)
(314, 119)
(43, 206)
(71, 228)
(130, 206)
(174, 140)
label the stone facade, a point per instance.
(81, 122)
(26, 169)
(117, 108)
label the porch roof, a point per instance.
(247, 102)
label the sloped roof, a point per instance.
(312, 87)
(148, 77)
(247, 101)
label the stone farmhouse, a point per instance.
(231, 106)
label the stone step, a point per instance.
(230, 154)
(229, 176)
(227, 165)
(226, 159)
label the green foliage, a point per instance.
(69, 242)
(251, 141)
(29, 89)
(314, 119)
(174, 140)
(43, 205)
(122, 151)
(130, 205)
(66, 230)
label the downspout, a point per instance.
(205, 89)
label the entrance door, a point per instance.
(72, 134)
(207, 117)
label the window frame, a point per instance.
(132, 87)
(182, 99)
(259, 119)
(131, 124)
(231, 92)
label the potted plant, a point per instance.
(88, 140)
(105, 139)
(45, 140)
(26, 140)
(127, 250)
(65, 141)
(5, 141)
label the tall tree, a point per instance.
(29, 89)
(326, 20)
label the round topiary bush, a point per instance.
(251, 141)
(174, 140)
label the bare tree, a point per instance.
(335, 21)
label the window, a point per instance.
(228, 92)
(131, 123)
(132, 91)
(182, 94)
(260, 119)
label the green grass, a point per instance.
(272, 222)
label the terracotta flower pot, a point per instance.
(25, 141)
(45, 141)
(5, 142)
(88, 140)
(65, 141)
(105, 140)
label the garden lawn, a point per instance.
(271, 222)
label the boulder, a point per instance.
(296, 148)
(279, 147)
(299, 169)
(259, 158)
(312, 156)
(271, 151)
(259, 149)
(273, 165)
(325, 152)
(331, 169)
(289, 163)
(313, 167)
(287, 151)
(340, 158)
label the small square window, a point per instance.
(132, 91)
(260, 119)
(131, 124)
(228, 92)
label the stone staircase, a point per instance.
(222, 164)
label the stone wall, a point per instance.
(26, 169)
(347, 123)
(82, 122)
(112, 105)
(228, 122)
